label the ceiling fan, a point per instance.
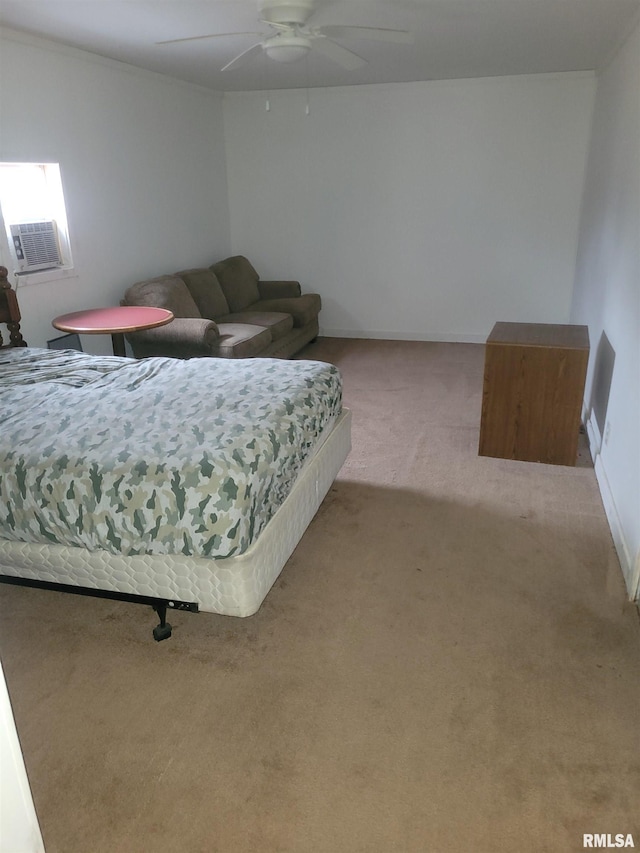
(292, 36)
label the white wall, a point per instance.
(143, 169)
(419, 210)
(19, 827)
(607, 298)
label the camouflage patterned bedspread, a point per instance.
(158, 456)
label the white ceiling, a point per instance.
(453, 38)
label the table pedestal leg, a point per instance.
(117, 339)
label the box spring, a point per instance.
(234, 586)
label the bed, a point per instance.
(180, 484)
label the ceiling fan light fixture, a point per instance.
(287, 48)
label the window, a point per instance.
(34, 216)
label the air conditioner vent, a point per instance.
(36, 245)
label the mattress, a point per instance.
(233, 586)
(154, 457)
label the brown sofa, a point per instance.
(226, 311)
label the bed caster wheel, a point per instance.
(162, 632)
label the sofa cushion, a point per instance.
(279, 289)
(166, 291)
(278, 324)
(304, 309)
(239, 282)
(206, 291)
(240, 340)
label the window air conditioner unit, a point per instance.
(36, 245)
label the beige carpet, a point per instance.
(448, 662)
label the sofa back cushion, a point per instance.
(239, 282)
(166, 291)
(206, 291)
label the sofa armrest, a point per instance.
(183, 336)
(279, 289)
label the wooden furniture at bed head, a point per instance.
(9, 312)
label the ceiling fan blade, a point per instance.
(346, 58)
(210, 36)
(245, 54)
(372, 33)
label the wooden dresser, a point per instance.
(534, 379)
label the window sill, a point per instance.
(43, 276)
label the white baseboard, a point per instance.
(450, 338)
(630, 567)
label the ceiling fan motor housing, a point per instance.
(285, 11)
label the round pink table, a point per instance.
(114, 321)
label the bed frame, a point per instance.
(235, 586)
